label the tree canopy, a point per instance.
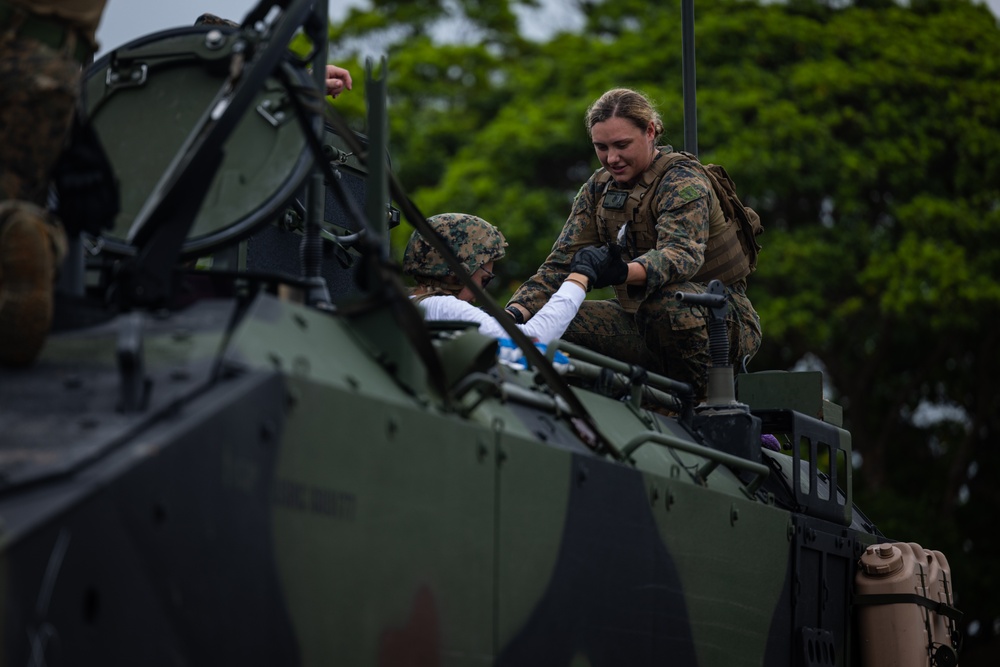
(866, 135)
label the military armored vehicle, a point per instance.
(243, 445)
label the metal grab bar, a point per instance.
(682, 390)
(586, 354)
(715, 457)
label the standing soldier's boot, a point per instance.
(30, 251)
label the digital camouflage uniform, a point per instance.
(473, 240)
(42, 48)
(663, 334)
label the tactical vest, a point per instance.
(725, 258)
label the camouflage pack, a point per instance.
(748, 224)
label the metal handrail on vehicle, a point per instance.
(715, 457)
(681, 390)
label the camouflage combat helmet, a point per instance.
(473, 240)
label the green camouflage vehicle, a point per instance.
(244, 446)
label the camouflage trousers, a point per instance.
(666, 336)
(38, 93)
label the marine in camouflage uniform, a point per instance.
(646, 325)
(43, 44)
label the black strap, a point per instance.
(910, 598)
(85, 183)
(516, 314)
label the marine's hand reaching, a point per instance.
(338, 80)
(603, 266)
(615, 270)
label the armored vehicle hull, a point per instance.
(224, 458)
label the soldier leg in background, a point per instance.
(38, 92)
(30, 251)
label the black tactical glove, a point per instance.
(589, 261)
(615, 269)
(603, 266)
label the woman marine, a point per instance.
(661, 209)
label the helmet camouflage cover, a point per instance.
(473, 240)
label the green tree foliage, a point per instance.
(868, 138)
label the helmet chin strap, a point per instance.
(427, 286)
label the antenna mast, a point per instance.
(688, 71)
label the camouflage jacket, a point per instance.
(683, 206)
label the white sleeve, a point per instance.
(447, 307)
(551, 320)
(548, 323)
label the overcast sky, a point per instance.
(124, 20)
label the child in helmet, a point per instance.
(477, 244)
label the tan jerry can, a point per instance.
(904, 604)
